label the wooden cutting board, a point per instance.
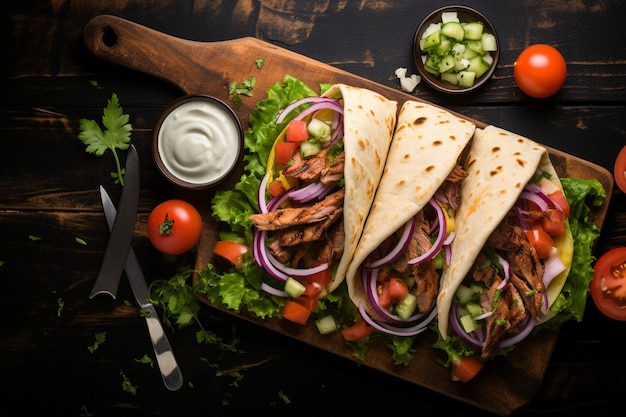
(207, 68)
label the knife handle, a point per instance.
(170, 371)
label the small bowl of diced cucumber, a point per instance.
(456, 49)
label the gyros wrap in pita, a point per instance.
(329, 189)
(425, 150)
(509, 178)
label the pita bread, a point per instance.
(499, 165)
(369, 121)
(426, 146)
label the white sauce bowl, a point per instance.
(197, 141)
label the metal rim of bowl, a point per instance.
(440, 85)
(155, 141)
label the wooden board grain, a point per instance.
(207, 68)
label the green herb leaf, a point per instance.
(115, 136)
(100, 338)
(259, 63)
(127, 385)
(61, 304)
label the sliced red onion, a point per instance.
(295, 272)
(525, 328)
(259, 250)
(400, 247)
(273, 291)
(396, 330)
(333, 104)
(287, 110)
(552, 268)
(275, 202)
(436, 247)
(311, 191)
(261, 194)
(535, 198)
(507, 271)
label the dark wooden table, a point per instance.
(53, 234)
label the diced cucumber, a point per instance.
(294, 288)
(319, 130)
(450, 77)
(453, 30)
(473, 30)
(474, 309)
(476, 46)
(489, 42)
(467, 43)
(446, 64)
(464, 294)
(466, 78)
(468, 323)
(431, 40)
(478, 66)
(310, 148)
(406, 306)
(327, 324)
(444, 46)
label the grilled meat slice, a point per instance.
(307, 233)
(331, 248)
(287, 217)
(525, 264)
(306, 169)
(506, 305)
(334, 171)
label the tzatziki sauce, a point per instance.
(199, 141)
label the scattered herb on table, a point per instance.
(284, 397)
(236, 90)
(127, 385)
(34, 238)
(259, 63)
(146, 359)
(100, 338)
(81, 241)
(115, 136)
(61, 304)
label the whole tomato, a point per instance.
(174, 227)
(540, 71)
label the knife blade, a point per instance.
(118, 245)
(170, 371)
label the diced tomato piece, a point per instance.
(357, 331)
(541, 241)
(307, 301)
(559, 198)
(553, 224)
(466, 367)
(384, 296)
(313, 289)
(322, 278)
(232, 251)
(397, 289)
(275, 188)
(296, 312)
(296, 131)
(283, 151)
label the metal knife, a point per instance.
(170, 371)
(118, 244)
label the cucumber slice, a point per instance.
(319, 130)
(446, 64)
(406, 306)
(453, 30)
(473, 30)
(468, 323)
(489, 42)
(466, 78)
(310, 148)
(450, 77)
(431, 40)
(326, 324)
(478, 66)
(294, 288)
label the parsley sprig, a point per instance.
(116, 134)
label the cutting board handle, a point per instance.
(189, 65)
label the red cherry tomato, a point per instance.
(174, 227)
(608, 286)
(540, 71)
(619, 171)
